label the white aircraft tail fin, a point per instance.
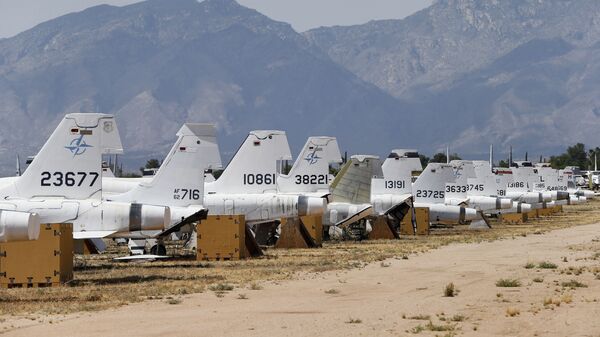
(401, 162)
(107, 172)
(180, 179)
(69, 164)
(521, 179)
(484, 186)
(431, 184)
(353, 183)
(397, 176)
(253, 169)
(310, 172)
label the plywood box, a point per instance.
(381, 230)
(295, 234)
(544, 212)
(221, 237)
(513, 218)
(532, 214)
(421, 216)
(47, 261)
(314, 226)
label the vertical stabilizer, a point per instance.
(310, 172)
(397, 172)
(431, 184)
(180, 179)
(253, 169)
(353, 183)
(69, 164)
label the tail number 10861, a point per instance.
(259, 179)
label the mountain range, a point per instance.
(463, 73)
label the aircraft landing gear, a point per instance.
(158, 248)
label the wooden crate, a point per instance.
(314, 226)
(513, 218)
(45, 262)
(532, 214)
(221, 237)
(421, 215)
(381, 230)
(295, 234)
(544, 212)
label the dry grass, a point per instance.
(547, 265)
(450, 290)
(512, 312)
(508, 283)
(573, 284)
(101, 283)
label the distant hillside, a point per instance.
(520, 72)
(463, 73)
(160, 63)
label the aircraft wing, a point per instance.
(200, 215)
(400, 209)
(352, 218)
(92, 234)
(147, 257)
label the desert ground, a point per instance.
(539, 279)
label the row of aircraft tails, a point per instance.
(66, 183)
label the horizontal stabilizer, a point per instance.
(353, 183)
(140, 258)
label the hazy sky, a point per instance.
(19, 15)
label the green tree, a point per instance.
(574, 156)
(424, 160)
(152, 163)
(438, 158)
(441, 157)
(217, 173)
(593, 154)
(333, 170)
(503, 163)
